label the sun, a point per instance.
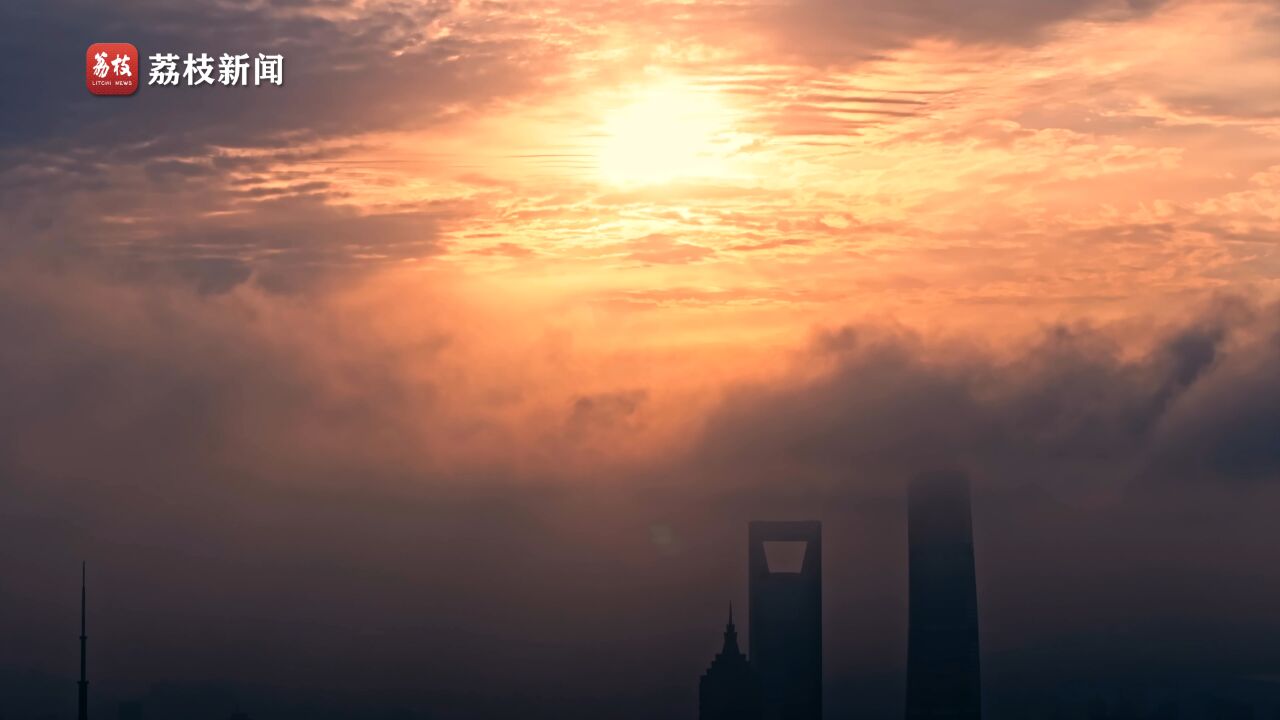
(665, 132)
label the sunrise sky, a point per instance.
(596, 282)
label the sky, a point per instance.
(444, 377)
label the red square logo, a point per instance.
(111, 69)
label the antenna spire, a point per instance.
(84, 682)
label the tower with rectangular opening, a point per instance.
(785, 591)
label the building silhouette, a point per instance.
(84, 638)
(943, 678)
(730, 689)
(786, 616)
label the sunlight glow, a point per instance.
(665, 132)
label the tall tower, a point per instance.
(729, 690)
(785, 576)
(943, 679)
(84, 682)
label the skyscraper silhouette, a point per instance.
(84, 682)
(786, 616)
(942, 644)
(730, 689)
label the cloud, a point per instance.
(833, 32)
(365, 54)
(663, 250)
(1072, 408)
(340, 477)
(605, 409)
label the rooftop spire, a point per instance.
(730, 637)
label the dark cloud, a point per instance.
(835, 32)
(1072, 408)
(214, 275)
(605, 409)
(186, 182)
(346, 70)
(189, 220)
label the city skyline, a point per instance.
(941, 677)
